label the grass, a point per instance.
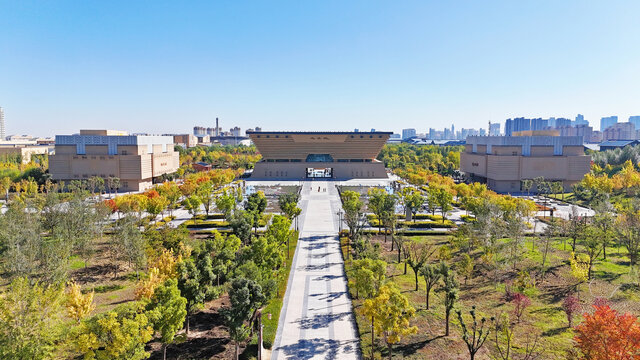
(104, 288)
(275, 305)
(76, 263)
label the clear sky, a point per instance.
(161, 67)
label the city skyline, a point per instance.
(343, 65)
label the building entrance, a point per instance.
(319, 172)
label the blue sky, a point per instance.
(313, 65)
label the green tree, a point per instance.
(431, 275)
(417, 256)
(390, 313)
(444, 199)
(129, 244)
(475, 336)
(192, 204)
(280, 230)
(465, 267)
(226, 202)
(527, 184)
(167, 311)
(204, 192)
(195, 281)
(450, 289)
(245, 297)
(225, 249)
(413, 200)
(241, 224)
(20, 241)
(30, 316)
(353, 216)
(256, 204)
(593, 245)
(368, 275)
(377, 203)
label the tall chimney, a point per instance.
(217, 134)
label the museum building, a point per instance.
(331, 155)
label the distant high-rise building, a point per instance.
(408, 133)
(373, 130)
(356, 130)
(562, 122)
(235, 131)
(494, 129)
(482, 132)
(517, 124)
(3, 133)
(448, 135)
(635, 120)
(607, 121)
(580, 120)
(539, 124)
(620, 131)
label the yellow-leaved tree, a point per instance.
(78, 305)
(162, 268)
(389, 313)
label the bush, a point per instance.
(104, 288)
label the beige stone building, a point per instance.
(135, 159)
(331, 155)
(502, 162)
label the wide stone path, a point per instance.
(316, 321)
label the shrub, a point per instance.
(570, 305)
(520, 303)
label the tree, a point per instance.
(527, 184)
(246, 297)
(30, 316)
(225, 249)
(476, 336)
(520, 303)
(431, 275)
(156, 205)
(450, 296)
(504, 327)
(289, 205)
(628, 225)
(96, 184)
(256, 204)
(192, 204)
(444, 199)
(21, 241)
(129, 245)
(195, 281)
(352, 206)
(570, 306)
(226, 202)
(167, 312)
(377, 199)
(417, 256)
(390, 313)
(412, 200)
(78, 305)
(113, 183)
(204, 192)
(118, 334)
(280, 230)
(465, 267)
(368, 275)
(241, 223)
(170, 191)
(593, 244)
(607, 335)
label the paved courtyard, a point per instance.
(316, 321)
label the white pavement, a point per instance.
(316, 321)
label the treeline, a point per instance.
(234, 157)
(416, 163)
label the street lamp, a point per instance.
(339, 213)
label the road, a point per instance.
(316, 321)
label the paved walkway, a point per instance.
(316, 321)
